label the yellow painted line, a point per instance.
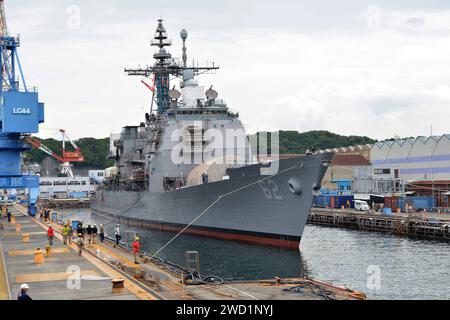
(21, 222)
(4, 289)
(133, 288)
(12, 234)
(31, 252)
(130, 263)
(130, 286)
(20, 208)
(56, 276)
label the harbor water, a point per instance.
(381, 265)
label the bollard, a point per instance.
(13, 219)
(18, 228)
(48, 251)
(118, 285)
(38, 256)
(25, 238)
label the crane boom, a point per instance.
(67, 156)
(39, 145)
(75, 156)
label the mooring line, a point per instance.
(216, 201)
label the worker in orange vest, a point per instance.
(136, 249)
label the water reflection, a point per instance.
(228, 259)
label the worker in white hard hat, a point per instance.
(23, 295)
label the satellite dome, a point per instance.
(184, 34)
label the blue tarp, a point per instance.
(421, 202)
(78, 195)
(325, 201)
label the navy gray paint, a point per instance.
(241, 200)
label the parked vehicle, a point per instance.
(6, 201)
(361, 205)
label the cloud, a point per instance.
(441, 91)
(288, 65)
(379, 115)
(428, 22)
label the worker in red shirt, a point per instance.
(136, 249)
(50, 235)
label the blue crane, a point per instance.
(20, 116)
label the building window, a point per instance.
(382, 171)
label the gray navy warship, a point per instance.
(190, 166)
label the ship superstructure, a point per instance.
(190, 163)
(187, 129)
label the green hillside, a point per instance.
(96, 150)
(296, 142)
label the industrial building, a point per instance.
(363, 150)
(346, 174)
(421, 164)
(66, 187)
(414, 167)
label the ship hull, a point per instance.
(249, 207)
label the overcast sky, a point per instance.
(375, 68)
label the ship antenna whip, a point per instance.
(216, 201)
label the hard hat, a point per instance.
(24, 286)
(137, 238)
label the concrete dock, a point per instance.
(418, 225)
(99, 264)
(56, 278)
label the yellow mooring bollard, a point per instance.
(25, 238)
(18, 228)
(38, 256)
(13, 219)
(48, 251)
(118, 285)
